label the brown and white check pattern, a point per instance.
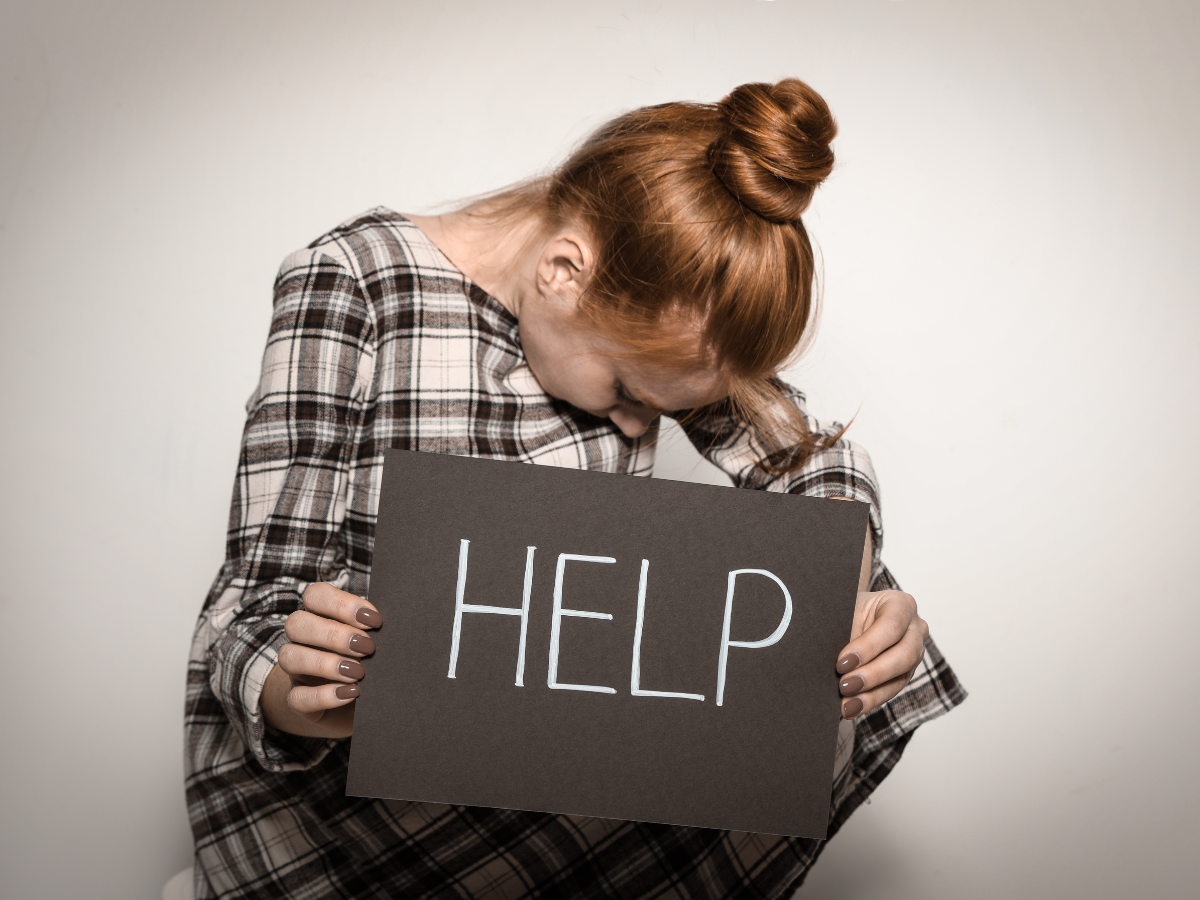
(378, 341)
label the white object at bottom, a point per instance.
(179, 887)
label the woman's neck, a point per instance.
(497, 253)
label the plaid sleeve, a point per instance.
(289, 498)
(841, 470)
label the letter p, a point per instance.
(773, 638)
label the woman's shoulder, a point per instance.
(377, 248)
(382, 268)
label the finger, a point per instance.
(303, 627)
(305, 700)
(852, 707)
(300, 661)
(324, 599)
(891, 616)
(902, 658)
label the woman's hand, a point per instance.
(887, 645)
(311, 690)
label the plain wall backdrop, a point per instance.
(1010, 309)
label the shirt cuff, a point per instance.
(239, 663)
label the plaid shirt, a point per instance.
(378, 341)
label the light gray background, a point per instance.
(1010, 310)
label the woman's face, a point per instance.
(574, 363)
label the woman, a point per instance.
(664, 267)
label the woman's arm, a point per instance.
(286, 530)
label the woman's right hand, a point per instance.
(312, 689)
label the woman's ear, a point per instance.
(565, 267)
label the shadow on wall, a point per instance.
(863, 862)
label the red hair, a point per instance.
(694, 211)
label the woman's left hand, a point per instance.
(887, 644)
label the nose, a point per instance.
(632, 424)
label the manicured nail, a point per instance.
(846, 663)
(348, 668)
(346, 691)
(851, 684)
(360, 643)
(850, 708)
(368, 617)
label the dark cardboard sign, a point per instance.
(605, 645)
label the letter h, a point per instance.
(460, 607)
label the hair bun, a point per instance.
(774, 151)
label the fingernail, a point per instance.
(346, 691)
(360, 643)
(348, 668)
(368, 617)
(846, 663)
(851, 684)
(850, 708)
